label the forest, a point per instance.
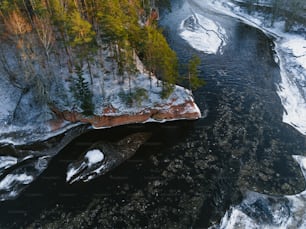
(43, 39)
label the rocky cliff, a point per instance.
(172, 109)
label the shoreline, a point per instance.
(161, 113)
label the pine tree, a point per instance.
(161, 60)
(193, 73)
(82, 92)
(80, 30)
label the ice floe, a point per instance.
(203, 34)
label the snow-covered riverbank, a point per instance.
(19, 169)
(260, 210)
(205, 35)
(290, 55)
(117, 100)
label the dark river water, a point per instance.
(190, 172)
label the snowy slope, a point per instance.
(23, 120)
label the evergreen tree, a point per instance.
(161, 59)
(80, 30)
(193, 73)
(82, 92)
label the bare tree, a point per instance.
(45, 33)
(16, 24)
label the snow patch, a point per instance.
(12, 179)
(298, 47)
(7, 161)
(71, 172)
(91, 158)
(233, 219)
(303, 163)
(292, 97)
(22, 135)
(94, 156)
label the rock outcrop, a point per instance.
(102, 157)
(111, 117)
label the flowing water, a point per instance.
(189, 174)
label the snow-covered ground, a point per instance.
(116, 91)
(30, 124)
(23, 120)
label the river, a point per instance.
(189, 174)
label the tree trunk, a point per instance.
(90, 71)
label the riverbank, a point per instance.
(188, 174)
(117, 101)
(48, 97)
(179, 105)
(262, 208)
(290, 55)
(53, 127)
